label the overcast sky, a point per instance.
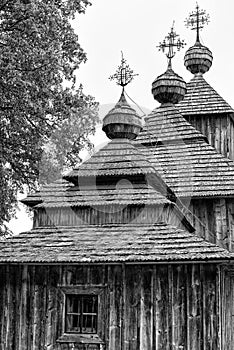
(136, 27)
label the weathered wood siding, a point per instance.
(219, 130)
(214, 220)
(112, 214)
(147, 307)
(227, 305)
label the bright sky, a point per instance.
(136, 27)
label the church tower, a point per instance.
(202, 106)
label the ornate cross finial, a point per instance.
(171, 41)
(197, 19)
(124, 74)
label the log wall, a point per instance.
(146, 307)
(219, 131)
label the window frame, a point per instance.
(71, 313)
(96, 290)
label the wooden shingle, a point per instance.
(107, 244)
(201, 98)
(166, 124)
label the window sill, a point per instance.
(81, 339)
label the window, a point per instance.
(81, 314)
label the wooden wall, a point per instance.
(227, 302)
(219, 130)
(214, 220)
(147, 307)
(111, 214)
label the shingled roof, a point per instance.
(53, 196)
(201, 98)
(108, 243)
(119, 157)
(165, 124)
(188, 165)
(193, 169)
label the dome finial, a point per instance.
(169, 87)
(196, 20)
(198, 58)
(124, 74)
(122, 121)
(170, 43)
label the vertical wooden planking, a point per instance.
(179, 307)
(170, 310)
(29, 307)
(218, 307)
(2, 303)
(97, 274)
(209, 308)
(209, 131)
(9, 308)
(232, 303)
(161, 303)
(36, 315)
(146, 322)
(194, 310)
(51, 308)
(132, 308)
(217, 133)
(230, 213)
(18, 271)
(115, 312)
(227, 301)
(23, 310)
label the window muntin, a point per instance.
(81, 313)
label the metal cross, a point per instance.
(124, 74)
(197, 19)
(171, 41)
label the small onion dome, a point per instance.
(169, 87)
(122, 121)
(198, 58)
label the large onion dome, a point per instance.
(122, 121)
(169, 87)
(198, 58)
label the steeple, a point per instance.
(122, 121)
(198, 58)
(169, 87)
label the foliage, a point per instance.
(39, 55)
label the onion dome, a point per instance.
(169, 87)
(198, 59)
(122, 121)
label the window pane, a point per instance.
(90, 304)
(89, 324)
(81, 313)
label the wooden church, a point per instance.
(133, 249)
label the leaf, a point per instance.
(39, 52)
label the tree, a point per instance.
(39, 55)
